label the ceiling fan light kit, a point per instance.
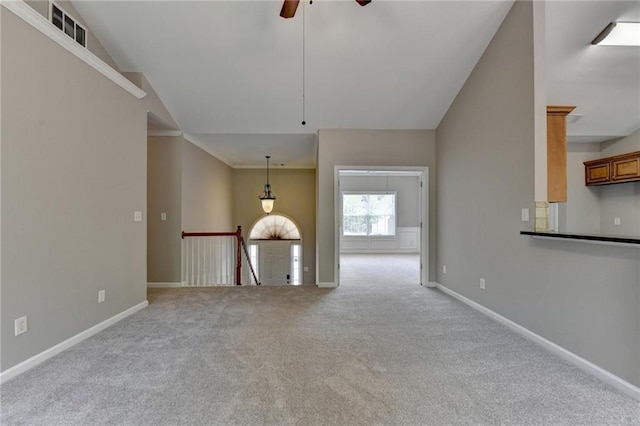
(289, 7)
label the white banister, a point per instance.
(209, 261)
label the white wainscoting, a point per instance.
(406, 240)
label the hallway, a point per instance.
(379, 269)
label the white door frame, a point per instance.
(423, 206)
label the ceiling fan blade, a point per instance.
(363, 2)
(289, 8)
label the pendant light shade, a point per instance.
(267, 198)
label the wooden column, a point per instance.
(557, 152)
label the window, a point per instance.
(296, 255)
(68, 24)
(275, 227)
(369, 213)
(253, 257)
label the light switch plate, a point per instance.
(616, 221)
(524, 215)
(137, 216)
(163, 216)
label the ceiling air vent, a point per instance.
(67, 24)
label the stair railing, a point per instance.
(246, 253)
(200, 267)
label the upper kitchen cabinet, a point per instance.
(616, 169)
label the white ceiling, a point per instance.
(603, 82)
(288, 150)
(231, 72)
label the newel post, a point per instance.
(239, 255)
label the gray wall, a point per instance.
(620, 200)
(592, 209)
(164, 190)
(336, 147)
(72, 174)
(581, 212)
(295, 193)
(407, 198)
(583, 297)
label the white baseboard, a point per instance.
(432, 284)
(327, 285)
(602, 374)
(380, 251)
(164, 285)
(45, 355)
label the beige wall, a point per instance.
(412, 148)
(583, 297)
(207, 197)
(295, 193)
(73, 172)
(152, 101)
(194, 189)
(93, 45)
(164, 187)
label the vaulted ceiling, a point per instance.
(233, 73)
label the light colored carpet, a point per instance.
(372, 270)
(389, 353)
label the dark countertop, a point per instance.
(605, 239)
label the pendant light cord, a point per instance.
(304, 7)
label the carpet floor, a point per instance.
(384, 352)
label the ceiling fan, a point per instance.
(289, 7)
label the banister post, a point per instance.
(239, 255)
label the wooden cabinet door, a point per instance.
(616, 169)
(625, 169)
(597, 173)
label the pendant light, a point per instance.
(268, 198)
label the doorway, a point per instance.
(381, 224)
(275, 249)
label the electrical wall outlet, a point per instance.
(305, 269)
(616, 221)
(101, 296)
(482, 283)
(21, 325)
(444, 269)
(524, 215)
(163, 216)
